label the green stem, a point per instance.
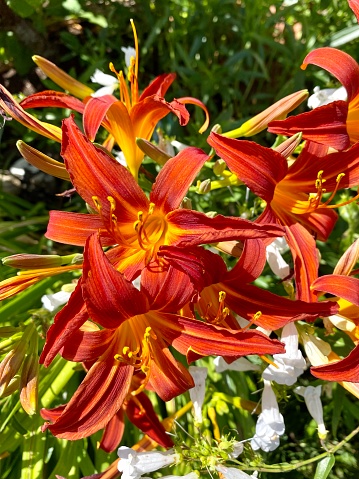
(296, 465)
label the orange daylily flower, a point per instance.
(133, 339)
(133, 116)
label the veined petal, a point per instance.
(71, 317)
(348, 260)
(86, 346)
(74, 228)
(346, 287)
(95, 112)
(109, 297)
(148, 422)
(124, 134)
(42, 161)
(246, 270)
(325, 125)
(276, 311)
(168, 377)
(195, 338)
(158, 86)
(13, 109)
(339, 64)
(258, 167)
(52, 98)
(113, 433)
(166, 289)
(96, 400)
(175, 178)
(346, 369)
(191, 228)
(62, 79)
(94, 173)
(306, 260)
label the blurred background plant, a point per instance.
(238, 57)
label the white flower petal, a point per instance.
(325, 96)
(129, 52)
(103, 78)
(133, 464)
(313, 402)
(234, 473)
(53, 301)
(240, 364)
(197, 393)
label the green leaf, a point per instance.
(324, 467)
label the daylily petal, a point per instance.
(339, 64)
(94, 114)
(346, 369)
(71, 317)
(195, 338)
(74, 228)
(42, 161)
(109, 297)
(52, 98)
(13, 109)
(348, 260)
(94, 173)
(187, 100)
(346, 287)
(113, 432)
(85, 345)
(148, 422)
(325, 124)
(306, 260)
(246, 270)
(180, 170)
(354, 5)
(193, 228)
(96, 400)
(158, 86)
(61, 78)
(258, 167)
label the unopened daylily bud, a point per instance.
(153, 151)
(32, 261)
(186, 203)
(234, 248)
(277, 111)
(29, 382)
(219, 167)
(12, 387)
(211, 214)
(288, 146)
(204, 186)
(11, 365)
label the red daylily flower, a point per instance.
(126, 218)
(225, 291)
(134, 339)
(293, 194)
(346, 70)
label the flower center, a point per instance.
(151, 230)
(137, 352)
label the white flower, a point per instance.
(240, 364)
(313, 402)
(108, 82)
(325, 96)
(237, 449)
(129, 52)
(53, 301)
(270, 423)
(197, 392)
(316, 349)
(133, 464)
(234, 473)
(274, 257)
(290, 364)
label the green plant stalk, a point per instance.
(34, 452)
(63, 376)
(276, 468)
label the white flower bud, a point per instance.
(197, 393)
(133, 464)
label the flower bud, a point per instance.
(204, 186)
(32, 261)
(219, 167)
(186, 203)
(153, 151)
